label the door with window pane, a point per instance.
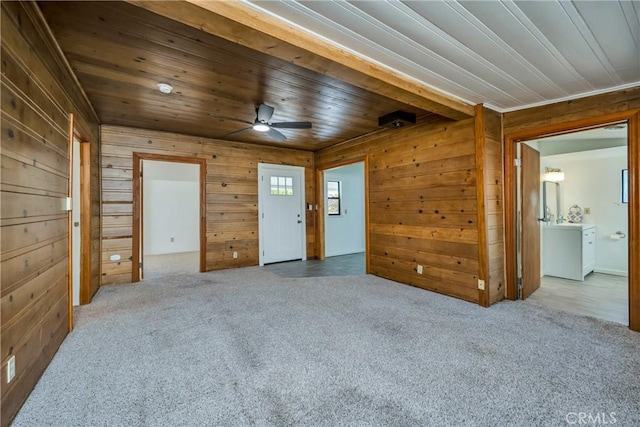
(281, 213)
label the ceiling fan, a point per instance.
(261, 124)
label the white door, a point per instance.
(281, 213)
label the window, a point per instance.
(333, 197)
(281, 186)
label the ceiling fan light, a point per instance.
(261, 127)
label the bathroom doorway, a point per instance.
(584, 223)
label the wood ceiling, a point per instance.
(120, 52)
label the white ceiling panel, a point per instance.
(505, 54)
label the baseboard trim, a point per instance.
(612, 272)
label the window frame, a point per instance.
(338, 198)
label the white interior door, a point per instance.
(281, 213)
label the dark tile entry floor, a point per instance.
(343, 265)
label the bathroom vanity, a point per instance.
(569, 250)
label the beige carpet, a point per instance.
(246, 347)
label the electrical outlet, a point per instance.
(481, 284)
(419, 269)
(587, 211)
(235, 254)
(11, 368)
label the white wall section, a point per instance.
(171, 206)
(345, 233)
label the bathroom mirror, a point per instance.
(550, 200)
(625, 185)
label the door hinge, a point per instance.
(517, 163)
(262, 215)
(520, 284)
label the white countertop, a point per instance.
(569, 225)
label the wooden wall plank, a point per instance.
(231, 210)
(37, 95)
(422, 204)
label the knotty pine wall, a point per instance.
(493, 171)
(231, 211)
(38, 93)
(423, 206)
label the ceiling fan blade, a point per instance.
(239, 131)
(216, 116)
(276, 135)
(291, 125)
(264, 113)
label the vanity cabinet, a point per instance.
(569, 250)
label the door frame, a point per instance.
(76, 133)
(137, 206)
(632, 118)
(320, 197)
(302, 170)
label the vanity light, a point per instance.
(165, 88)
(553, 175)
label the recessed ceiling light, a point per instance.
(165, 88)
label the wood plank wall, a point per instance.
(422, 204)
(232, 210)
(38, 93)
(494, 196)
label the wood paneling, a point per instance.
(242, 24)
(566, 117)
(38, 94)
(490, 213)
(231, 209)
(120, 52)
(422, 204)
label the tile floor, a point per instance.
(343, 265)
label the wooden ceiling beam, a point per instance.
(241, 24)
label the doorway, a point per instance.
(344, 215)
(584, 228)
(512, 240)
(169, 215)
(281, 213)
(355, 173)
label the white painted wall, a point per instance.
(345, 234)
(593, 180)
(171, 207)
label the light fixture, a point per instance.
(618, 126)
(261, 127)
(553, 175)
(165, 87)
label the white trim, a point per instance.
(612, 272)
(566, 98)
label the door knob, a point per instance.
(299, 221)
